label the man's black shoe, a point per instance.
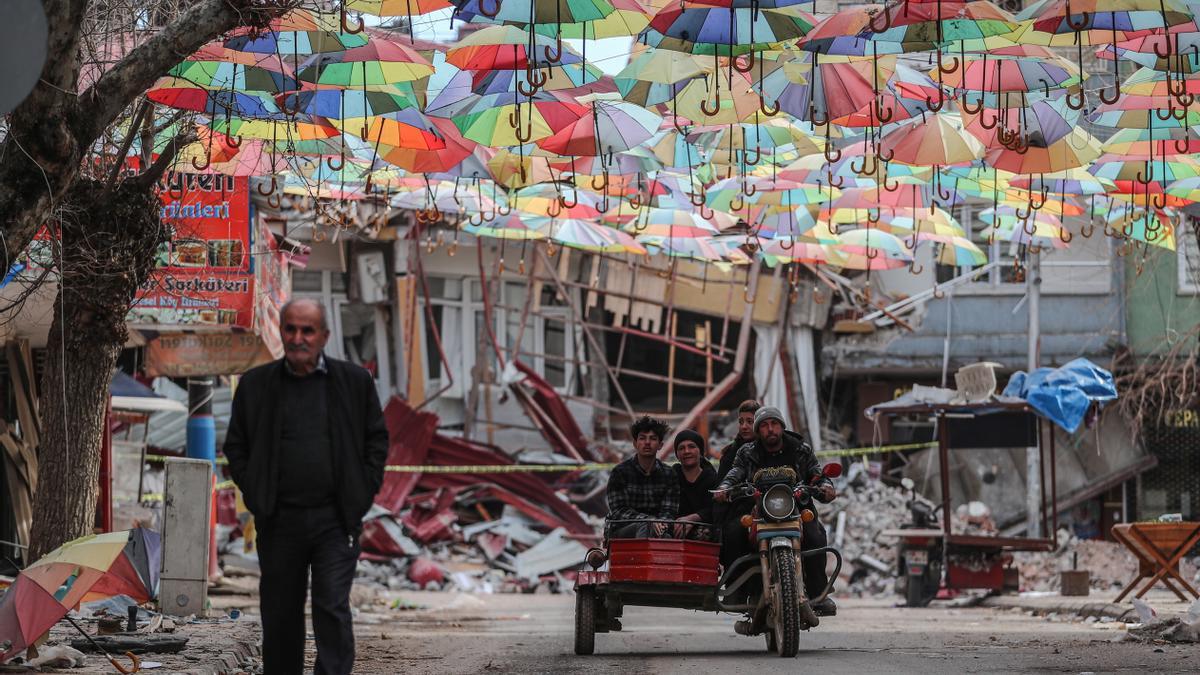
(826, 607)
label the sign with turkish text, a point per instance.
(203, 276)
(185, 354)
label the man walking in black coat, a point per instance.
(307, 446)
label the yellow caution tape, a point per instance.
(157, 496)
(602, 466)
(593, 466)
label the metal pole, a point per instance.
(201, 429)
(1033, 466)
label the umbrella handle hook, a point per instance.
(966, 107)
(989, 125)
(267, 192)
(872, 253)
(874, 214)
(890, 187)
(942, 67)
(832, 152)
(837, 181)
(716, 106)
(602, 184)
(554, 55)
(275, 200)
(202, 167)
(1079, 24)
(233, 141)
(562, 201)
(1064, 235)
(882, 113)
(790, 245)
(526, 92)
(765, 109)
(941, 102)
(1166, 41)
(740, 203)
(347, 28)
(887, 20)
(757, 156)
(332, 167)
(490, 14)
(914, 270)
(1087, 230)
(749, 63)
(703, 215)
(1077, 103)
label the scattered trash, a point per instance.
(58, 656)
(1145, 612)
(137, 644)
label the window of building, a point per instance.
(1187, 248)
(547, 340)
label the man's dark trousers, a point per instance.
(289, 544)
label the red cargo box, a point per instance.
(674, 561)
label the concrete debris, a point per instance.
(1175, 630)
(553, 553)
(1110, 564)
(58, 656)
(864, 509)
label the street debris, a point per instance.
(1111, 565)
(863, 510)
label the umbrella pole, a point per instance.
(137, 663)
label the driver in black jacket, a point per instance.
(774, 447)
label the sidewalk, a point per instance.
(1098, 604)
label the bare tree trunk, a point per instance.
(108, 244)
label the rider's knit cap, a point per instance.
(768, 413)
(689, 435)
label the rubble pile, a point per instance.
(855, 520)
(1110, 564)
(491, 530)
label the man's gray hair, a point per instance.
(306, 301)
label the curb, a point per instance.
(241, 658)
(1125, 613)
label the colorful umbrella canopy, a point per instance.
(45, 591)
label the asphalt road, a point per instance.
(533, 634)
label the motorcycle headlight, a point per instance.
(778, 502)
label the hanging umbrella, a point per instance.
(297, 32)
(939, 141)
(1019, 124)
(1017, 69)
(220, 75)
(533, 120)
(727, 31)
(588, 236)
(605, 127)
(871, 242)
(397, 7)
(690, 248)
(454, 148)
(223, 103)
(960, 252)
(673, 223)
(1076, 149)
(376, 66)
(506, 48)
(512, 226)
(527, 12)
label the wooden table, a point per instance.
(1159, 548)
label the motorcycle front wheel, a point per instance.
(786, 598)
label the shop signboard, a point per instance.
(203, 276)
(209, 353)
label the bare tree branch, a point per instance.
(137, 72)
(166, 158)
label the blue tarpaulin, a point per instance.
(1063, 394)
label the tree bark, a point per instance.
(108, 242)
(50, 132)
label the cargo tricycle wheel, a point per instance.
(585, 621)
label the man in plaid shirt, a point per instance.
(642, 487)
